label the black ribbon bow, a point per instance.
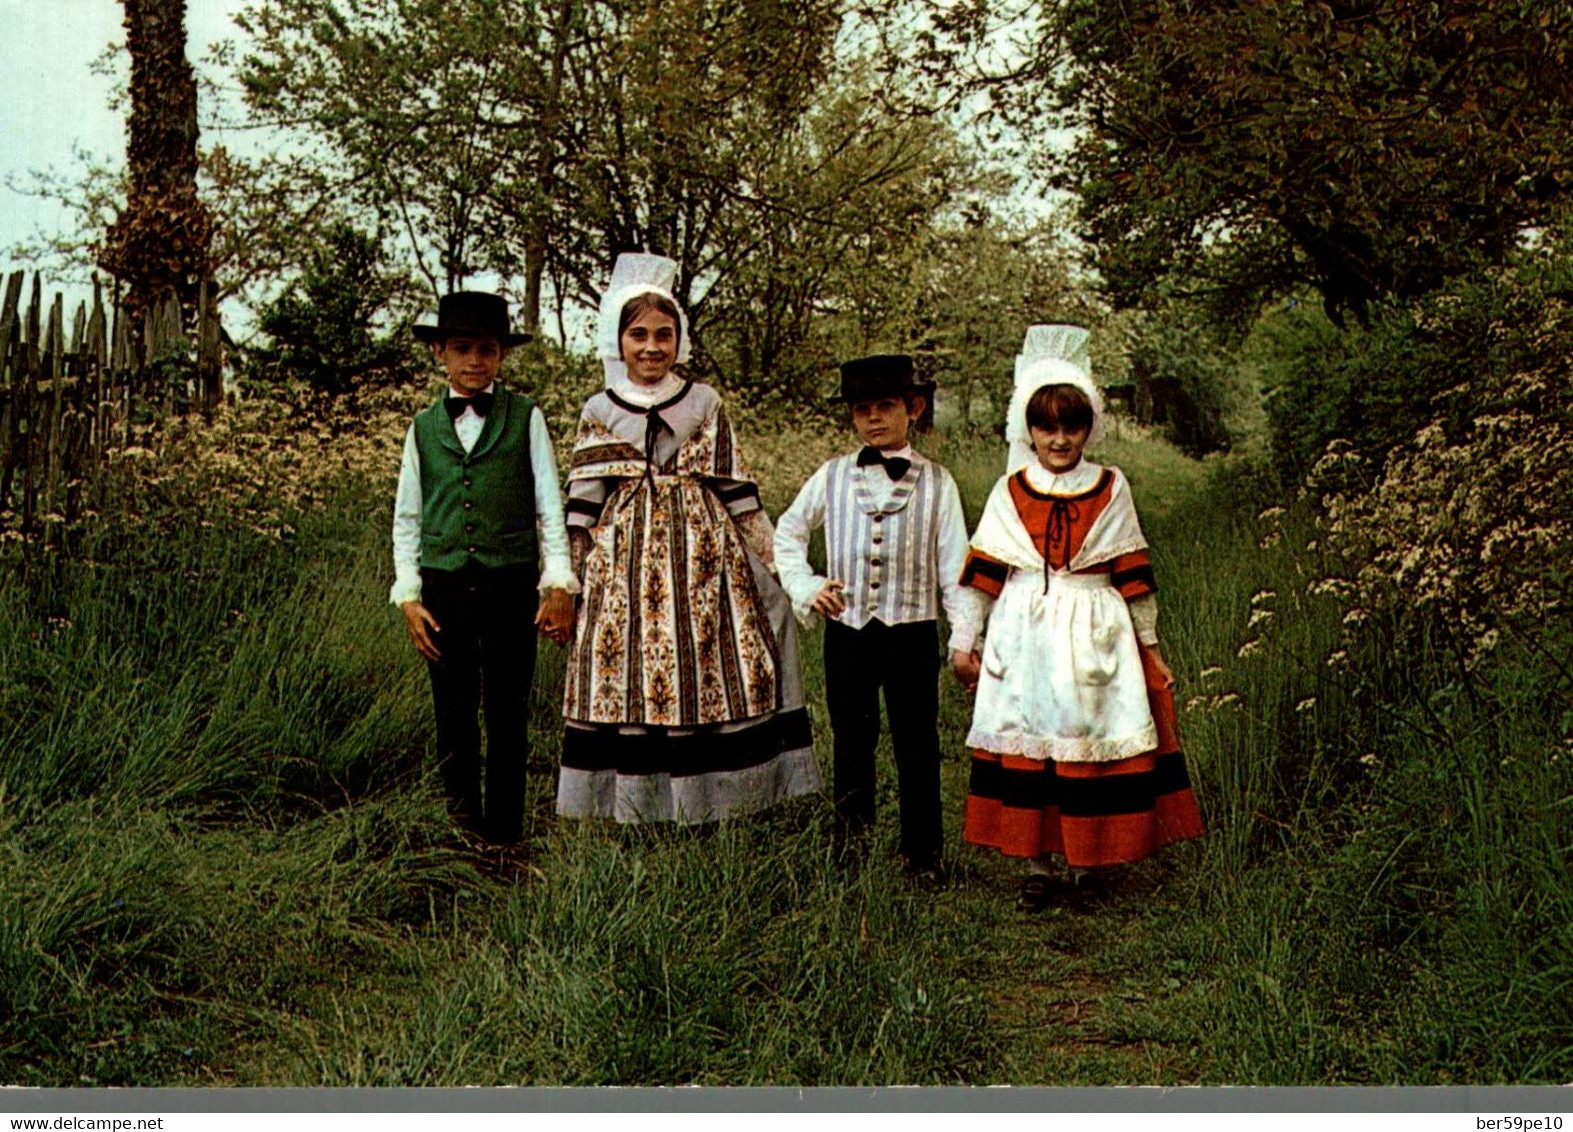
(653, 424)
(895, 466)
(1062, 513)
(481, 402)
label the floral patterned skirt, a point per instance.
(683, 699)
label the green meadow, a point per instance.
(224, 859)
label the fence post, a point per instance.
(10, 416)
(122, 359)
(210, 373)
(54, 447)
(96, 359)
(29, 390)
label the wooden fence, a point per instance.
(70, 395)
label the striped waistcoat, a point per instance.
(886, 556)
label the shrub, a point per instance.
(1423, 361)
(1465, 521)
(323, 328)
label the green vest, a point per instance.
(480, 506)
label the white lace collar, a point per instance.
(642, 395)
(1079, 479)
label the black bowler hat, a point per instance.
(882, 375)
(471, 312)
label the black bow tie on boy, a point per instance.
(480, 402)
(895, 466)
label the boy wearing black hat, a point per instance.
(480, 555)
(895, 541)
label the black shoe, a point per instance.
(1086, 892)
(1037, 893)
(926, 874)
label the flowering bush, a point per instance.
(259, 461)
(1467, 522)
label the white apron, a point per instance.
(1062, 674)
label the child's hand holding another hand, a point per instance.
(967, 666)
(554, 619)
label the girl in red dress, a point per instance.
(1075, 751)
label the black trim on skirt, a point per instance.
(701, 751)
(1079, 797)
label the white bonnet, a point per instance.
(635, 274)
(1053, 354)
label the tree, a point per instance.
(537, 140)
(159, 241)
(690, 108)
(1369, 148)
(824, 264)
(323, 327)
(394, 100)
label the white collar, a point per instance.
(1083, 476)
(457, 396)
(905, 452)
(642, 395)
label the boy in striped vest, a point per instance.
(480, 557)
(895, 541)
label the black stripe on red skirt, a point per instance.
(1078, 797)
(1090, 813)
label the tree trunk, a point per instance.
(159, 242)
(534, 267)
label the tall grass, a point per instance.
(1384, 896)
(223, 858)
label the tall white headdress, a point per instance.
(1052, 355)
(635, 274)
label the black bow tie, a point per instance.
(480, 402)
(895, 466)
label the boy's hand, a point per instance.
(421, 624)
(555, 617)
(1160, 668)
(829, 602)
(968, 667)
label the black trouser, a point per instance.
(487, 641)
(904, 661)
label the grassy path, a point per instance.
(223, 860)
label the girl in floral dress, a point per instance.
(683, 699)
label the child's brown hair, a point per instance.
(1059, 406)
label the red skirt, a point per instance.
(1091, 814)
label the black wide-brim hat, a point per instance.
(471, 312)
(883, 375)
